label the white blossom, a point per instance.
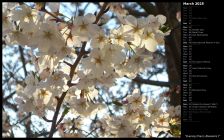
(24, 13)
(174, 111)
(83, 27)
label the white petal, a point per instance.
(90, 18)
(141, 22)
(78, 20)
(131, 20)
(161, 19)
(93, 29)
(54, 6)
(150, 45)
(151, 18)
(127, 28)
(121, 18)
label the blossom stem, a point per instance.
(72, 72)
(23, 60)
(44, 10)
(46, 119)
(60, 101)
(152, 82)
(102, 11)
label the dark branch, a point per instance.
(67, 63)
(135, 13)
(28, 116)
(148, 7)
(72, 72)
(9, 96)
(23, 60)
(10, 105)
(60, 100)
(46, 119)
(102, 11)
(151, 82)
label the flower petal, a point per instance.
(90, 18)
(161, 19)
(131, 20)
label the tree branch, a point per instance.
(46, 119)
(102, 11)
(9, 96)
(26, 117)
(23, 60)
(72, 72)
(73, 67)
(151, 82)
(10, 105)
(60, 100)
(55, 16)
(135, 13)
(67, 63)
(148, 7)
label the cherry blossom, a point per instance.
(70, 73)
(174, 111)
(97, 63)
(120, 37)
(24, 13)
(154, 109)
(83, 26)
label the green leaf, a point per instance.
(175, 130)
(164, 29)
(33, 73)
(66, 110)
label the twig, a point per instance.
(61, 118)
(60, 101)
(102, 11)
(67, 63)
(152, 82)
(9, 96)
(46, 119)
(23, 60)
(148, 7)
(58, 19)
(90, 133)
(136, 13)
(10, 105)
(29, 115)
(72, 72)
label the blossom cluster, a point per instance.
(122, 52)
(139, 115)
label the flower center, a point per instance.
(29, 15)
(42, 93)
(119, 37)
(161, 120)
(137, 60)
(48, 34)
(56, 77)
(98, 60)
(136, 29)
(83, 27)
(154, 111)
(100, 39)
(148, 35)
